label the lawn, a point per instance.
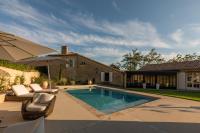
(190, 95)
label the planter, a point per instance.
(2, 97)
(45, 84)
(89, 82)
(144, 85)
(157, 86)
(72, 82)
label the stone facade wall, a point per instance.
(13, 73)
(89, 70)
(85, 69)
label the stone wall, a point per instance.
(92, 70)
(11, 73)
(86, 69)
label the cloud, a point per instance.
(115, 5)
(170, 55)
(105, 54)
(131, 33)
(128, 33)
(177, 36)
(27, 14)
(105, 38)
(186, 37)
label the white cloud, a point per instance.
(28, 14)
(186, 37)
(170, 55)
(177, 36)
(106, 52)
(113, 35)
(108, 55)
(129, 33)
(115, 5)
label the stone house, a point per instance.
(83, 69)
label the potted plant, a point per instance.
(72, 82)
(63, 81)
(45, 84)
(89, 82)
(42, 81)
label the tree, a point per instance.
(135, 59)
(153, 57)
(187, 57)
(132, 60)
(116, 65)
(190, 57)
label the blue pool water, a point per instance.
(109, 101)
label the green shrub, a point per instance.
(17, 80)
(22, 79)
(39, 80)
(21, 67)
(4, 83)
(62, 81)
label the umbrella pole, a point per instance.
(49, 77)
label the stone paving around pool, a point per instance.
(165, 115)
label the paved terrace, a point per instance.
(165, 115)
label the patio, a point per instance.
(164, 115)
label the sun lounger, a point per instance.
(42, 104)
(37, 88)
(20, 93)
(36, 126)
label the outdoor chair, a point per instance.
(38, 88)
(42, 104)
(20, 93)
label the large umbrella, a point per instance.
(14, 48)
(45, 61)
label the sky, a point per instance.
(105, 30)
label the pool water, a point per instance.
(109, 101)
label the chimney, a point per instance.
(64, 50)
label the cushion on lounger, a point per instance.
(35, 107)
(19, 90)
(45, 98)
(27, 95)
(36, 97)
(50, 90)
(36, 87)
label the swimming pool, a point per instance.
(107, 100)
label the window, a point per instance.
(71, 63)
(196, 86)
(82, 63)
(193, 79)
(189, 84)
(189, 77)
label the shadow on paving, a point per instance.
(92, 126)
(191, 109)
(9, 117)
